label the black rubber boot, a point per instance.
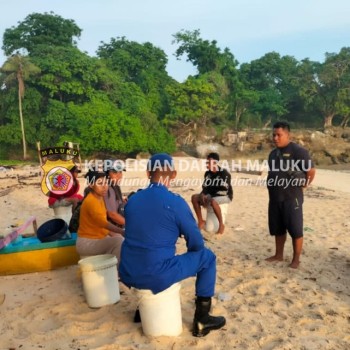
(203, 323)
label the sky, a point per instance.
(249, 28)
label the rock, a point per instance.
(318, 134)
(224, 296)
(204, 148)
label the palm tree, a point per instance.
(19, 68)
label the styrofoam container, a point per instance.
(100, 280)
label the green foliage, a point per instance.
(39, 29)
(104, 128)
(191, 101)
(196, 104)
(131, 59)
(67, 73)
(18, 69)
(206, 56)
(10, 134)
(123, 101)
(325, 87)
(271, 77)
(13, 162)
(141, 64)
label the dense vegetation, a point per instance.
(123, 101)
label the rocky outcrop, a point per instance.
(331, 146)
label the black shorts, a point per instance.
(286, 216)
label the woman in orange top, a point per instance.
(96, 235)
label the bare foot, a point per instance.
(201, 224)
(221, 229)
(294, 264)
(274, 258)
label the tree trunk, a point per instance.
(345, 121)
(237, 118)
(22, 124)
(268, 122)
(328, 120)
(238, 114)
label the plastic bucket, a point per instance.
(161, 313)
(63, 212)
(52, 230)
(211, 222)
(100, 280)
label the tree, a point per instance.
(194, 105)
(40, 30)
(325, 86)
(272, 78)
(343, 106)
(99, 126)
(130, 58)
(141, 64)
(242, 98)
(233, 92)
(67, 74)
(19, 68)
(205, 55)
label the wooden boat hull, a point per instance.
(30, 255)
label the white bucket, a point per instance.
(100, 280)
(161, 313)
(211, 222)
(63, 212)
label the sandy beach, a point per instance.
(267, 305)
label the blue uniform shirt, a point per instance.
(155, 218)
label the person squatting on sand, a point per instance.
(216, 190)
(155, 219)
(291, 170)
(95, 234)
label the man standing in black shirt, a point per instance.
(291, 170)
(216, 190)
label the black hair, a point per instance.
(281, 125)
(92, 176)
(213, 155)
(75, 169)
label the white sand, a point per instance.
(267, 305)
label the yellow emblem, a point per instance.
(57, 177)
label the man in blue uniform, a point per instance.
(155, 219)
(291, 170)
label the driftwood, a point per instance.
(9, 178)
(21, 180)
(25, 177)
(6, 191)
(28, 176)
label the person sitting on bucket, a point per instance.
(96, 235)
(155, 219)
(216, 190)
